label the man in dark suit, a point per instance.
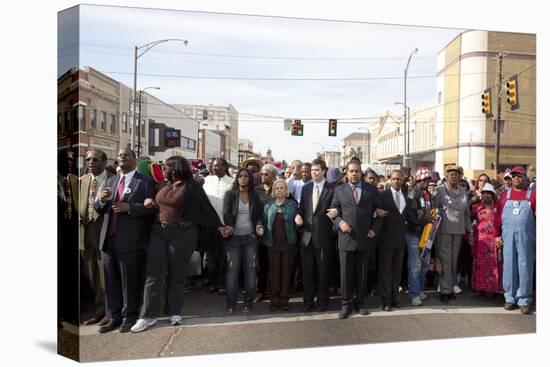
(316, 236)
(353, 210)
(91, 222)
(124, 234)
(392, 242)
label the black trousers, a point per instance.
(215, 259)
(168, 253)
(263, 269)
(353, 272)
(316, 265)
(123, 280)
(390, 265)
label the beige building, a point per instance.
(246, 150)
(223, 119)
(356, 144)
(465, 68)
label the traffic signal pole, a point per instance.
(500, 56)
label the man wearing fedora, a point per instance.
(518, 208)
(452, 202)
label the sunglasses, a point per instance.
(516, 175)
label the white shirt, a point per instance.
(215, 189)
(402, 201)
(295, 187)
(321, 185)
(127, 179)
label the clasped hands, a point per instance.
(227, 231)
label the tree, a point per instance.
(353, 152)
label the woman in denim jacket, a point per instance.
(280, 238)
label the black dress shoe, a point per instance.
(285, 307)
(386, 308)
(273, 307)
(444, 298)
(344, 312)
(126, 326)
(94, 320)
(452, 297)
(395, 304)
(111, 325)
(308, 307)
(323, 308)
(363, 311)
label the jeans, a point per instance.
(237, 248)
(417, 267)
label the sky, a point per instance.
(227, 54)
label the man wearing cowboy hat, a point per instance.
(518, 207)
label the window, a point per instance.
(113, 124)
(103, 121)
(66, 121)
(142, 128)
(187, 143)
(124, 122)
(439, 96)
(93, 118)
(80, 117)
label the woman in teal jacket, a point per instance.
(280, 237)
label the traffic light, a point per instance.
(299, 128)
(512, 92)
(332, 127)
(486, 103)
(294, 128)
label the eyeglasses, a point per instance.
(264, 174)
(517, 175)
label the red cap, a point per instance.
(518, 169)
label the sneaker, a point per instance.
(175, 320)
(457, 290)
(143, 324)
(423, 296)
(438, 289)
(416, 301)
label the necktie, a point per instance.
(69, 197)
(91, 199)
(315, 197)
(397, 201)
(113, 216)
(354, 193)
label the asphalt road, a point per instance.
(207, 330)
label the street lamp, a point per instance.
(405, 158)
(137, 55)
(406, 128)
(139, 120)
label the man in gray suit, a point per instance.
(356, 203)
(91, 221)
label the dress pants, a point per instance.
(93, 265)
(215, 259)
(316, 266)
(169, 252)
(353, 272)
(280, 269)
(123, 280)
(390, 265)
(447, 250)
(263, 268)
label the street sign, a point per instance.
(287, 124)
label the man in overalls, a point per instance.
(518, 205)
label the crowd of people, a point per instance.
(323, 231)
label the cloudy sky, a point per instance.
(268, 68)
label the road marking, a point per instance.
(192, 321)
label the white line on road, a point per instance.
(191, 321)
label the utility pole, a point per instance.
(499, 122)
